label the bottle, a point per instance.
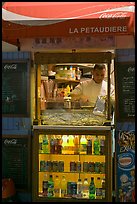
(63, 186)
(92, 189)
(50, 187)
(96, 146)
(83, 145)
(78, 74)
(85, 188)
(98, 188)
(79, 188)
(57, 187)
(71, 144)
(102, 146)
(40, 143)
(103, 188)
(45, 144)
(64, 144)
(45, 185)
(76, 144)
(89, 146)
(52, 145)
(59, 146)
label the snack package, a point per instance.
(100, 106)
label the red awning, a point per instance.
(42, 19)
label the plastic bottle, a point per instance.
(50, 187)
(102, 146)
(57, 187)
(45, 144)
(64, 144)
(98, 188)
(89, 146)
(52, 145)
(85, 188)
(76, 144)
(83, 145)
(63, 186)
(96, 146)
(40, 143)
(103, 188)
(71, 144)
(92, 189)
(79, 188)
(78, 74)
(45, 185)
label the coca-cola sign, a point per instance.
(113, 15)
(10, 66)
(10, 141)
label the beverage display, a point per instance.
(85, 188)
(70, 164)
(79, 188)
(57, 186)
(96, 146)
(92, 189)
(50, 186)
(63, 186)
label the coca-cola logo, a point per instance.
(113, 15)
(10, 141)
(10, 66)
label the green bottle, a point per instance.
(96, 146)
(50, 186)
(92, 189)
(45, 144)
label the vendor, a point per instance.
(87, 91)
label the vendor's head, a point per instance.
(99, 72)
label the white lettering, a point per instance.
(96, 30)
(115, 15)
(82, 30)
(12, 141)
(12, 66)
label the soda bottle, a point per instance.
(63, 186)
(45, 144)
(40, 143)
(64, 144)
(102, 146)
(45, 185)
(50, 187)
(52, 145)
(103, 188)
(71, 144)
(85, 188)
(57, 187)
(96, 146)
(83, 145)
(89, 146)
(92, 189)
(79, 188)
(76, 144)
(98, 188)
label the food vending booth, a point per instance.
(72, 143)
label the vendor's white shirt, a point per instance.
(92, 90)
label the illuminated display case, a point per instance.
(73, 152)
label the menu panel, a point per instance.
(125, 91)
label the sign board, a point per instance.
(15, 88)
(125, 91)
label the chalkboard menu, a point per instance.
(15, 161)
(14, 88)
(125, 91)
